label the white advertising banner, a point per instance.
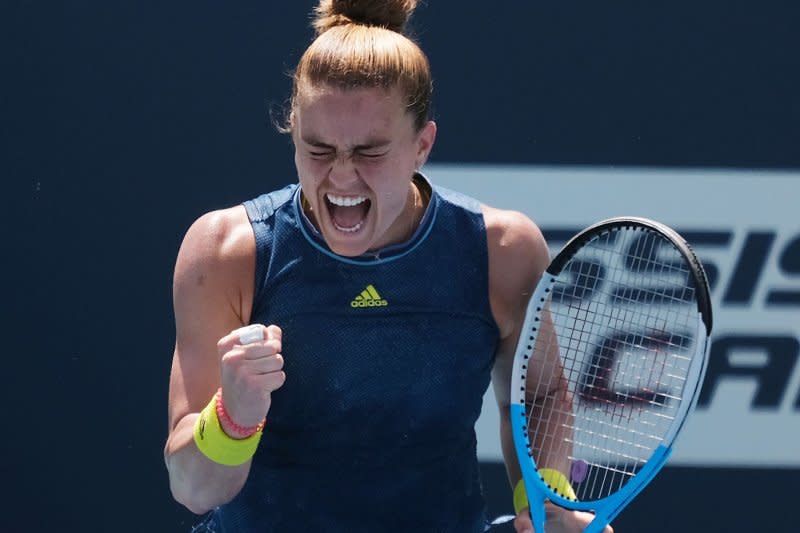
(745, 227)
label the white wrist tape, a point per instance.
(250, 334)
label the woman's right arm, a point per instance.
(212, 294)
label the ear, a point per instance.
(425, 140)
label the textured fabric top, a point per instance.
(387, 357)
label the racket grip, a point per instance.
(537, 512)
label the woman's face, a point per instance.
(356, 151)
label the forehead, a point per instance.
(332, 112)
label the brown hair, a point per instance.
(362, 44)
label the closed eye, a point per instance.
(371, 155)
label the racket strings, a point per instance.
(623, 326)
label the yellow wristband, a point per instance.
(558, 482)
(553, 478)
(216, 444)
(520, 497)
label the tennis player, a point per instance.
(334, 338)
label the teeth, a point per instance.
(349, 230)
(346, 201)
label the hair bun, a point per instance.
(389, 14)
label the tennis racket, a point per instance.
(608, 366)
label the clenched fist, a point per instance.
(558, 520)
(252, 367)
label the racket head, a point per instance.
(615, 340)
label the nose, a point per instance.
(343, 172)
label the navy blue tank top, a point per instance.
(387, 357)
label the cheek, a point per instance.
(389, 180)
(392, 194)
(308, 172)
(390, 172)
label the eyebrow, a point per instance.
(370, 144)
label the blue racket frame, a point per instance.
(605, 509)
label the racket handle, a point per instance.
(537, 511)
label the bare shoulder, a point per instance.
(215, 270)
(517, 248)
(518, 255)
(218, 235)
(218, 243)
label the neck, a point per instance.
(418, 203)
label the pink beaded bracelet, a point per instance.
(223, 415)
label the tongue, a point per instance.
(348, 217)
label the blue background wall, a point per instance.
(121, 122)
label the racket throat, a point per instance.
(537, 510)
(626, 494)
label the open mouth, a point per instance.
(348, 213)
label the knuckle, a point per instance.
(274, 331)
(274, 345)
(232, 358)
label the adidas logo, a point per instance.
(369, 297)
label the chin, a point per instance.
(354, 248)
(348, 245)
(349, 250)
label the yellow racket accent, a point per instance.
(558, 482)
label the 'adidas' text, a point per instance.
(369, 297)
